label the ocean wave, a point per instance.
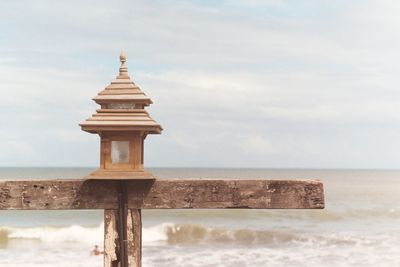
(198, 234)
(70, 234)
(177, 234)
(191, 234)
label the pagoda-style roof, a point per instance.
(122, 107)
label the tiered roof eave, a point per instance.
(122, 90)
(122, 107)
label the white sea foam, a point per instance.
(169, 244)
(194, 234)
(77, 234)
(156, 233)
(71, 234)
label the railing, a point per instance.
(122, 202)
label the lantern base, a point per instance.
(102, 174)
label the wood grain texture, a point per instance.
(162, 194)
(134, 234)
(111, 238)
(112, 253)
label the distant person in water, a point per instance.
(96, 251)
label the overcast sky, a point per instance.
(281, 84)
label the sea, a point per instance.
(360, 225)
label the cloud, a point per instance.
(244, 83)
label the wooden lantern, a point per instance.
(122, 124)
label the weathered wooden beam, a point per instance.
(162, 194)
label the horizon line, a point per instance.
(219, 167)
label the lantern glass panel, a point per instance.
(119, 152)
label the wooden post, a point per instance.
(113, 254)
(111, 238)
(122, 225)
(134, 231)
(123, 233)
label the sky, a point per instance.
(246, 83)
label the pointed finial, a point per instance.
(122, 56)
(123, 70)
